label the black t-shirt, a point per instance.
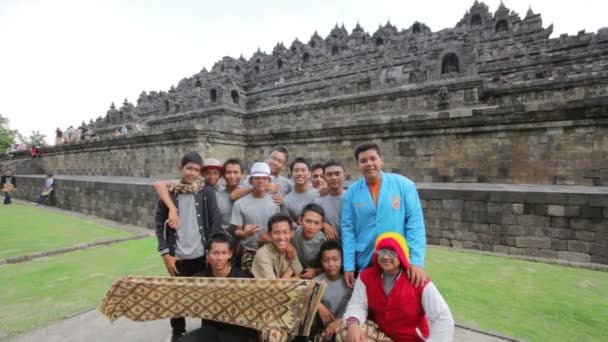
(235, 272)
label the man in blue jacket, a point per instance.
(377, 203)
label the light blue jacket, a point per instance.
(398, 211)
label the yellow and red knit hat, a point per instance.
(396, 242)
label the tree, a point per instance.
(7, 136)
(35, 139)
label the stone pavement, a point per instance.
(93, 326)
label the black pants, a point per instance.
(220, 332)
(7, 198)
(41, 199)
(186, 268)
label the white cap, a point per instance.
(260, 170)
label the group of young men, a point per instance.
(265, 226)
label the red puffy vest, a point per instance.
(399, 313)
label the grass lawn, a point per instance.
(534, 301)
(47, 289)
(27, 229)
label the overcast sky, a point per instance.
(64, 61)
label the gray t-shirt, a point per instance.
(257, 211)
(286, 185)
(189, 244)
(336, 295)
(224, 203)
(332, 205)
(296, 201)
(308, 250)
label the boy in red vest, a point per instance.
(403, 312)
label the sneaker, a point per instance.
(176, 336)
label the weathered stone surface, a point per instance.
(556, 210)
(572, 256)
(578, 246)
(533, 242)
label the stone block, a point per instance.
(457, 244)
(573, 256)
(472, 245)
(453, 204)
(577, 199)
(494, 217)
(556, 210)
(578, 246)
(533, 252)
(469, 236)
(515, 230)
(564, 234)
(572, 211)
(559, 222)
(518, 208)
(496, 207)
(532, 242)
(591, 212)
(444, 242)
(500, 249)
(516, 251)
(480, 228)
(475, 206)
(600, 249)
(595, 225)
(525, 220)
(507, 218)
(582, 235)
(559, 245)
(547, 253)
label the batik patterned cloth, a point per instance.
(374, 334)
(279, 308)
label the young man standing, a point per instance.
(251, 213)
(272, 261)
(220, 252)
(318, 181)
(380, 202)
(233, 170)
(303, 192)
(8, 182)
(280, 186)
(331, 203)
(183, 248)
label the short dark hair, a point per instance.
(278, 217)
(282, 149)
(219, 238)
(192, 157)
(333, 162)
(49, 174)
(8, 169)
(331, 245)
(316, 166)
(299, 160)
(314, 208)
(366, 146)
(234, 161)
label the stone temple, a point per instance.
(504, 129)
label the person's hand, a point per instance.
(265, 238)
(330, 232)
(416, 275)
(309, 273)
(278, 199)
(354, 333)
(273, 187)
(325, 314)
(170, 264)
(291, 252)
(323, 191)
(349, 278)
(250, 230)
(331, 329)
(173, 220)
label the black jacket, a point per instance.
(208, 217)
(5, 179)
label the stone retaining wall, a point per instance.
(560, 222)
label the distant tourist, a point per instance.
(183, 249)
(124, 129)
(380, 202)
(49, 186)
(58, 136)
(34, 152)
(9, 184)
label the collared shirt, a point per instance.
(270, 263)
